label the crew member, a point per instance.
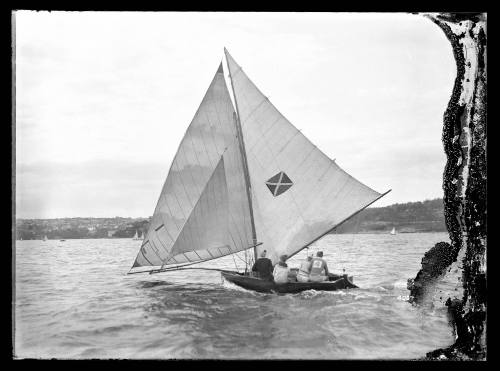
(263, 267)
(305, 269)
(319, 268)
(281, 270)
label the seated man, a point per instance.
(263, 267)
(319, 269)
(280, 272)
(304, 270)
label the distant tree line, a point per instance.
(129, 231)
(422, 216)
(36, 230)
(425, 216)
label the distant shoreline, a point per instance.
(129, 238)
(413, 217)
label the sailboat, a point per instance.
(244, 178)
(45, 238)
(136, 236)
(393, 230)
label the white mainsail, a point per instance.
(298, 193)
(177, 226)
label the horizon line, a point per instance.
(142, 217)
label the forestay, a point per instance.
(202, 211)
(298, 193)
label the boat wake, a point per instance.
(231, 286)
(150, 284)
(310, 294)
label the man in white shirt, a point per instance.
(281, 270)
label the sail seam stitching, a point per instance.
(255, 109)
(162, 201)
(162, 245)
(237, 231)
(181, 177)
(154, 250)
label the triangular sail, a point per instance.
(205, 234)
(298, 193)
(211, 134)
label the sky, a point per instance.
(103, 99)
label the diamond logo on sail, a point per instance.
(279, 183)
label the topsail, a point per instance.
(244, 175)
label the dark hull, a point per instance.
(336, 282)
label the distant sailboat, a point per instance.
(136, 236)
(245, 178)
(393, 230)
(44, 238)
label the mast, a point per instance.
(241, 143)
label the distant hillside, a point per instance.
(426, 216)
(88, 227)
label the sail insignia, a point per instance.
(279, 183)
(316, 195)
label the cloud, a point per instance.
(93, 188)
(103, 99)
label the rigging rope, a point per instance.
(234, 260)
(244, 261)
(341, 259)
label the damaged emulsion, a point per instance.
(434, 265)
(464, 216)
(451, 132)
(475, 211)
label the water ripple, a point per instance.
(73, 300)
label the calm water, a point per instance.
(74, 300)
